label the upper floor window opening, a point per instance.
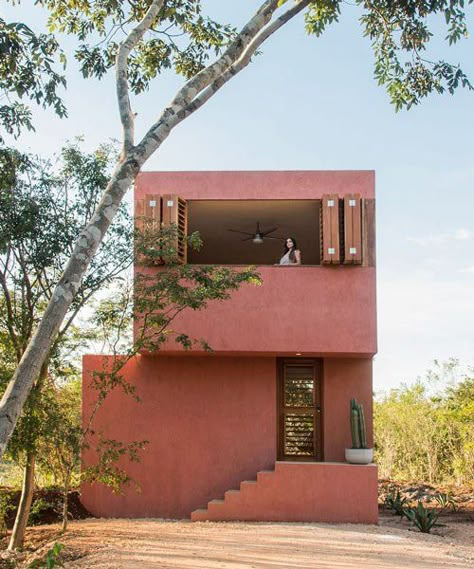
(327, 231)
(242, 232)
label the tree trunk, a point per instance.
(21, 520)
(66, 501)
(38, 349)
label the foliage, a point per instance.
(27, 71)
(110, 453)
(426, 431)
(159, 295)
(182, 38)
(446, 501)
(5, 508)
(37, 508)
(59, 452)
(43, 208)
(426, 519)
(400, 33)
(397, 503)
(42, 211)
(159, 300)
(51, 560)
(423, 518)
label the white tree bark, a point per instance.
(188, 99)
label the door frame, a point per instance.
(319, 421)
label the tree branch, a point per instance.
(10, 316)
(245, 58)
(171, 116)
(121, 72)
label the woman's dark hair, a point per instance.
(292, 255)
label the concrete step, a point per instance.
(301, 492)
(199, 515)
(217, 509)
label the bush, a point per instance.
(426, 431)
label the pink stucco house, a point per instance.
(257, 430)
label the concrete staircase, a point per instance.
(300, 492)
(234, 502)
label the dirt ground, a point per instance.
(144, 544)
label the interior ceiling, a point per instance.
(214, 218)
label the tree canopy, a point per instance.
(28, 72)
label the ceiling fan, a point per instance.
(258, 236)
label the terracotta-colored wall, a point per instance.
(344, 378)
(258, 185)
(316, 310)
(211, 423)
(312, 310)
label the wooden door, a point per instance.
(299, 410)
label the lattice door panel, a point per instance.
(299, 411)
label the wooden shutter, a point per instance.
(330, 229)
(153, 212)
(174, 211)
(139, 221)
(147, 222)
(352, 230)
(368, 232)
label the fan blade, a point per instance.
(269, 231)
(237, 231)
(279, 238)
(248, 238)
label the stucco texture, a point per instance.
(211, 423)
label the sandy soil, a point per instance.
(143, 544)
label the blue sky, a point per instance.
(312, 103)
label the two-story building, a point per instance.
(256, 430)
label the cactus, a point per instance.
(359, 434)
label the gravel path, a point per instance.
(144, 544)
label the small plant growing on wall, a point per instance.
(358, 453)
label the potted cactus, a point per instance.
(359, 453)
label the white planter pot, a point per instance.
(359, 455)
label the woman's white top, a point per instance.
(285, 260)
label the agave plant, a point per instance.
(423, 518)
(396, 503)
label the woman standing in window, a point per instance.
(291, 253)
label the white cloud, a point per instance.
(460, 234)
(463, 234)
(468, 270)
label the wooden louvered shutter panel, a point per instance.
(153, 211)
(152, 221)
(330, 229)
(175, 210)
(352, 229)
(139, 221)
(368, 232)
